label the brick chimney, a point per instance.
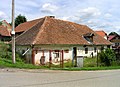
(50, 16)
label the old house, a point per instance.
(115, 40)
(5, 31)
(51, 40)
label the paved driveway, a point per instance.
(46, 78)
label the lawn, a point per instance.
(67, 66)
(19, 64)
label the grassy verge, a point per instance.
(67, 66)
(19, 64)
(88, 68)
(89, 64)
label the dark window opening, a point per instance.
(86, 50)
(95, 49)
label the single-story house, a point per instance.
(52, 40)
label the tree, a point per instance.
(113, 33)
(20, 19)
(0, 22)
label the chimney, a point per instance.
(50, 16)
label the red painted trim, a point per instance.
(33, 56)
(50, 58)
(62, 58)
(43, 52)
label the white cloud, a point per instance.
(107, 15)
(49, 8)
(2, 15)
(28, 3)
(89, 12)
(94, 18)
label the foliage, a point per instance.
(20, 19)
(0, 22)
(3, 50)
(107, 57)
(6, 52)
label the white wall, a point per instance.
(67, 56)
(81, 51)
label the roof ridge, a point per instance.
(43, 24)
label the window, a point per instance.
(66, 51)
(56, 54)
(116, 44)
(86, 50)
(89, 37)
(95, 49)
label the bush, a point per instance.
(107, 57)
(6, 52)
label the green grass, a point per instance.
(87, 68)
(67, 66)
(90, 62)
(19, 64)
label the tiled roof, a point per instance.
(6, 24)
(4, 31)
(24, 26)
(101, 33)
(110, 37)
(54, 31)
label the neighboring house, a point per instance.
(5, 31)
(53, 40)
(115, 39)
(102, 34)
(26, 25)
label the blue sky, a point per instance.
(97, 14)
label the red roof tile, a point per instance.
(101, 33)
(6, 24)
(24, 26)
(4, 31)
(54, 31)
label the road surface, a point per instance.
(50, 78)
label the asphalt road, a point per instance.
(46, 78)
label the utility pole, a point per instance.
(13, 34)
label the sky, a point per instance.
(96, 14)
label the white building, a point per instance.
(50, 40)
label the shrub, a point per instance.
(6, 52)
(107, 57)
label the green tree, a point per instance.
(0, 22)
(107, 57)
(20, 19)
